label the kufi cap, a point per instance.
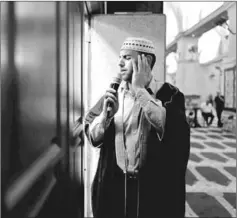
(139, 44)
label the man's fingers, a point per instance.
(109, 104)
(147, 64)
(110, 95)
(111, 90)
(134, 66)
(139, 63)
(143, 58)
(110, 100)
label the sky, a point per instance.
(191, 13)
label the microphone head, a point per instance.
(117, 79)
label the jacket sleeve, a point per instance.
(97, 129)
(91, 116)
(153, 110)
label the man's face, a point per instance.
(125, 64)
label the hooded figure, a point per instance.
(144, 142)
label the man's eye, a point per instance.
(128, 58)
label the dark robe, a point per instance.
(162, 177)
(220, 104)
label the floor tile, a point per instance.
(213, 156)
(205, 205)
(213, 175)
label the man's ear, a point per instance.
(149, 59)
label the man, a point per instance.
(207, 111)
(144, 142)
(219, 104)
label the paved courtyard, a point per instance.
(211, 175)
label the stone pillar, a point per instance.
(230, 60)
(189, 75)
(232, 36)
(229, 63)
(229, 68)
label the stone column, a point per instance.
(229, 68)
(229, 63)
(232, 36)
(189, 75)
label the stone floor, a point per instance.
(211, 174)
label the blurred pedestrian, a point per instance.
(210, 99)
(207, 111)
(219, 105)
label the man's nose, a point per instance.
(121, 62)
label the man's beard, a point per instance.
(128, 78)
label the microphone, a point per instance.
(115, 85)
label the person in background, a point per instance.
(219, 105)
(210, 99)
(207, 111)
(144, 141)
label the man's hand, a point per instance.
(141, 73)
(112, 99)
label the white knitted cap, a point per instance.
(139, 44)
